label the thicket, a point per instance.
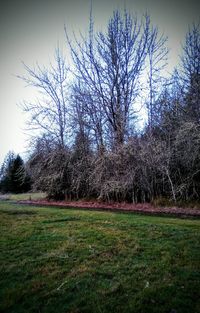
(90, 145)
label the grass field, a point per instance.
(23, 196)
(63, 260)
(27, 196)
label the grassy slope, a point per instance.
(61, 260)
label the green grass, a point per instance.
(27, 196)
(63, 260)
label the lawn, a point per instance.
(64, 260)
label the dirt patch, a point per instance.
(144, 208)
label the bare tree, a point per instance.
(49, 112)
(87, 115)
(190, 72)
(190, 60)
(100, 108)
(109, 66)
(156, 62)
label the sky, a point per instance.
(31, 29)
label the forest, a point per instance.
(111, 124)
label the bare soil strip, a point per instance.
(144, 208)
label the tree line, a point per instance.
(89, 144)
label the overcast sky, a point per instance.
(30, 30)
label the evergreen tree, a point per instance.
(13, 177)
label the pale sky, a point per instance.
(30, 30)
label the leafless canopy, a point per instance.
(108, 159)
(49, 112)
(108, 67)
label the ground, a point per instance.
(144, 208)
(71, 260)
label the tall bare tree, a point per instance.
(190, 71)
(190, 59)
(156, 62)
(49, 113)
(109, 66)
